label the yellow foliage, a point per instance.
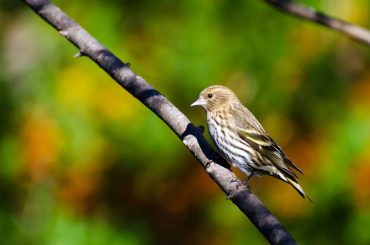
(310, 38)
(114, 103)
(354, 11)
(76, 87)
(92, 90)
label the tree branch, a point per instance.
(353, 31)
(190, 135)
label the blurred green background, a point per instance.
(83, 162)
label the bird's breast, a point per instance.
(232, 147)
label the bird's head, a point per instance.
(216, 97)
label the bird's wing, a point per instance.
(266, 146)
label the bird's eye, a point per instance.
(210, 95)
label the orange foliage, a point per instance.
(306, 153)
(78, 187)
(40, 144)
(360, 95)
(182, 196)
(285, 199)
(360, 181)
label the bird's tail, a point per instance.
(298, 189)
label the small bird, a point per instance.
(242, 140)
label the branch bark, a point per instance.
(191, 136)
(355, 32)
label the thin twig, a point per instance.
(353, 31)
(190, 135)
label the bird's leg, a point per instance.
(245, 181)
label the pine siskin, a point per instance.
(242, 140)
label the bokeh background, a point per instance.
(83, 162)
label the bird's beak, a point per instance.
(199, 102)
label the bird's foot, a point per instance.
(239, 183)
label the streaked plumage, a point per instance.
(242, 140)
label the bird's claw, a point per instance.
(208, 164)
(240, 183)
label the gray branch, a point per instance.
(191, 136)
(353, 31)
